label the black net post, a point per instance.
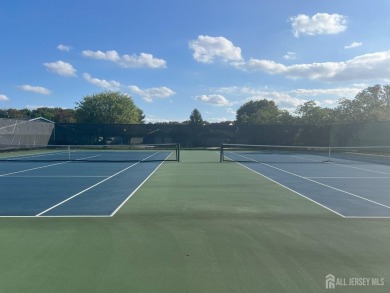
(221, 154)
(178, 152)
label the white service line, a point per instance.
(36, 168)
(319, 183)
(296, 192)
(100, 182)
(41, 167)
(60, 176)
(346, 177)
(134, 191)
(359, 168)
(77, 194)
(328, 186)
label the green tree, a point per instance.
(196, 118)
(244, 113)
(45, 112)
(386, 97)
(18, 114)
(109, 108)
(311, 114)
(65, 116)
(371, 104)
(3, 113)
(269, 115)
(58, 115)
(262, 112)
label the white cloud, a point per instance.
(339, 92)
(153, 119)
(290, 56)
(268, 66)
(61, 68)
(217, 120)
(216, 100)
(108, 55)
(208, 49)
(148, 95)
(143, 60)
(35, 89)
(237, 90)
(231, 111)
(330, 97)
(113, 85)
(353, 45)
(3, 98)
(34, 107)
(318, 24)
(328, 103)
(282, 99)
(290, 100)
(249, 91)
(156, 119)
(363, 67)
(64, 48)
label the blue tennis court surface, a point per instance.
(345, 187)
(70, 188)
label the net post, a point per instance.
(178, 152)
(221, 154)
(69, 152)
(329, 156)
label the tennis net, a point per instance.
(304, 154)
(91, 153)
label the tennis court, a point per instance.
(75, 180)
(194, 226)
(351, 182)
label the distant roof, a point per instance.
(42, 119)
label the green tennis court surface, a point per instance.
(198, 226)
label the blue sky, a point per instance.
(173, 56)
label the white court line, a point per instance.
(343, 165)
(338, 164)
(36, 168)
(70, 216)
(100, 182)
(23, 157)
(358, 168)
(368, 217)
(60, 176)
(349, 177)
(296, 192)
(372, 155)
(307, 159)
(77, 194)
(135, 190)
(41, 167)
(91, 216)
(319, 183)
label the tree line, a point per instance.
(371, 104)
(104, 108)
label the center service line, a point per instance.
(73, 196)
(77, 194)
(328, 186)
